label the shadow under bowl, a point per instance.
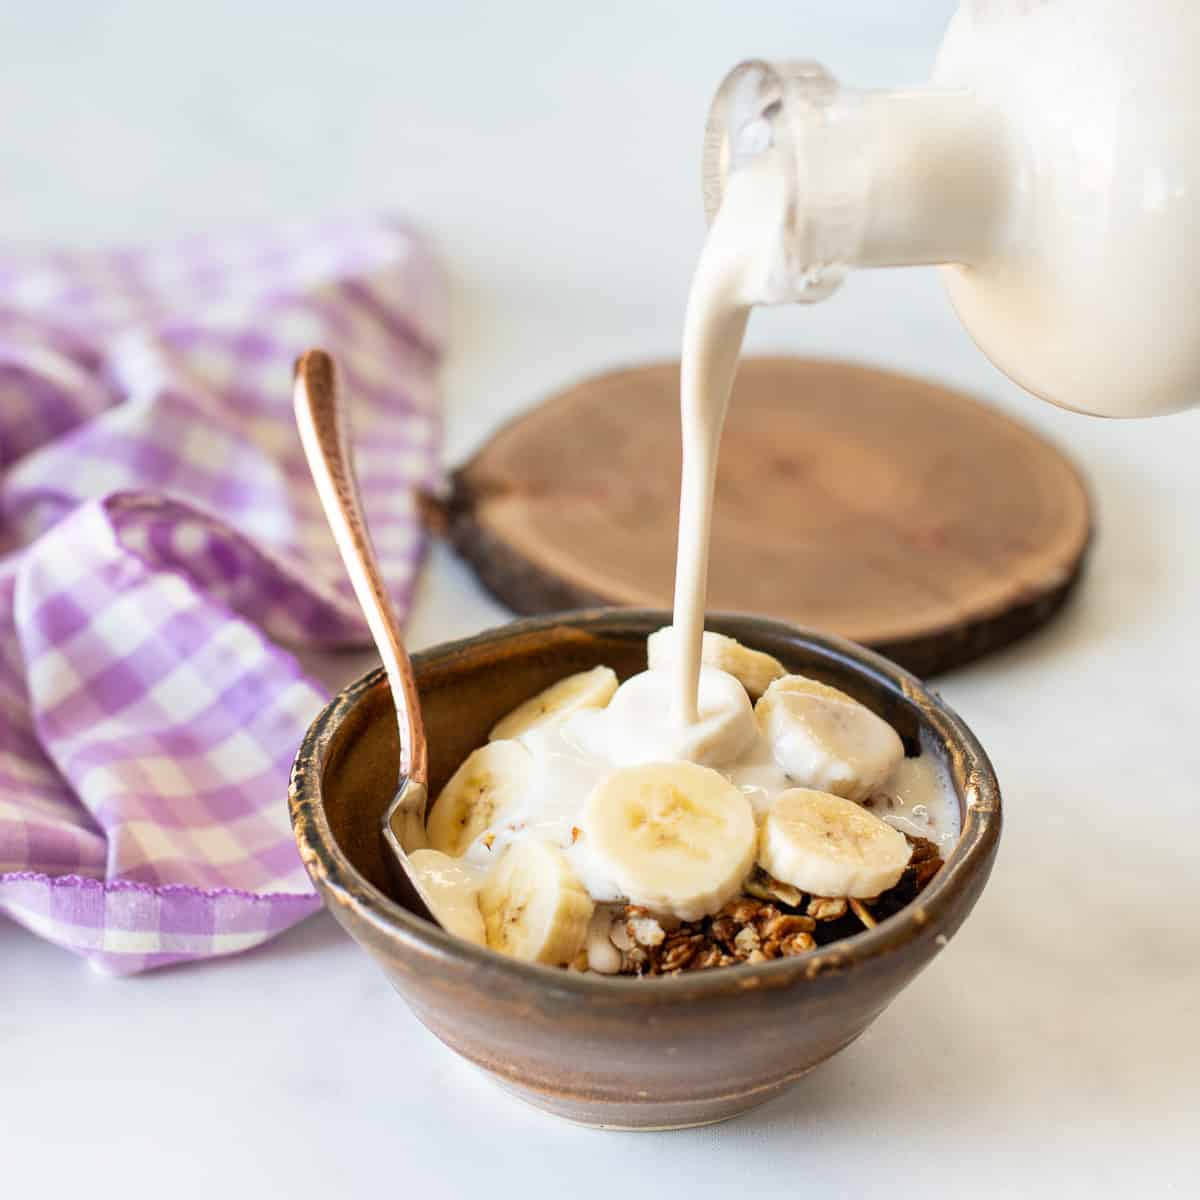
(627, 1053)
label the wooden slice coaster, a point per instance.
(885, 508)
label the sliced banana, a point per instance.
(753, 669)
(678, 838)
(452, 892)
(825, 739)
(586, 689)
(640, 729)
(492, 781)
(829, 846)
(533, 906)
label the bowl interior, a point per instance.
(466, 687)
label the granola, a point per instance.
(772, 920)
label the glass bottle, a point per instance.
(1051, 168)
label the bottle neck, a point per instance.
(872, 179)
(932, 183)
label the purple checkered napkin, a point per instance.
(160, 542)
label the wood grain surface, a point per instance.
(851, 500)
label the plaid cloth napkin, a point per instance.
(160, 542)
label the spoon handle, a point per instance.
(324, 433)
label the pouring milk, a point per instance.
(1051, 168)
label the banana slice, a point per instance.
(452, 893)
(828, 846)
(491, 782)
(753, 669)
(533, 906)
(587, 689)
(677, 838)
(825, 739)
(640, 730)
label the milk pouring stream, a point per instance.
(1051, 168)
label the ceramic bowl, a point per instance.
(619, 1052)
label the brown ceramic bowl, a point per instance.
(619, 1052)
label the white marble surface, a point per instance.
(1052, 1051)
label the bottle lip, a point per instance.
(718, 149)
(779, 111)
(754, 91)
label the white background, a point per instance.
(553, 149)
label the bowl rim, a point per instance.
(337, 879)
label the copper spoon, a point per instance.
(325, 436)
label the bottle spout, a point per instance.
(872, 179)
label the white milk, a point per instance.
(729, 279)
(575, 754)
(1087, 125)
